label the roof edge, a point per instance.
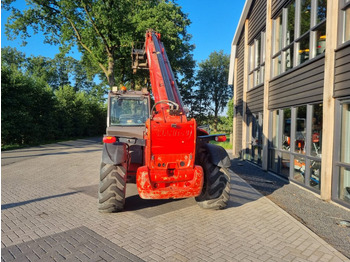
(241, 22)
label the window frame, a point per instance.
(294, 44)
(292, 153)
(344, 5)
(256, 66)
(337, 164)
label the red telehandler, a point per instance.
(159, 149)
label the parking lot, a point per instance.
(49, 213)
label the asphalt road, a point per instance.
(49, 213)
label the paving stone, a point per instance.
(50, 211)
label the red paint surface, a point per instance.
(169, 170)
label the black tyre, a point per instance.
(216, 188)
(111, 192)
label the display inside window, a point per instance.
(316, 130)
(286, 129)
(321, 39)
(300, 130)
(315, 174)
(299, 169)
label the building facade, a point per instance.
(290, 69)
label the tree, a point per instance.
(212, 80)
(104, 30)
(56, 72)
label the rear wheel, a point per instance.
(216, 187)
(111, 192)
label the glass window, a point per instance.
(256, 62)
(257, 51)
(286, 129)
(299, 169)
(262, 74)
(277, 65)
(290, 23)
(347, 24)
(321, 10)
(300, 132)
(285, 164)
(277, 41)
(296, 21)
(344, 184)
(315, 174)
(250, 81)
(251, 59)
(128, 111)
(273, 165)
(345, 134)
(263, 47)
(316, 130)
(321, 39)
(275, 129)
(305, 14)
(289, 53)
(257, 77)
(304, 50)
(255, 134)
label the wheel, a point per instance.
(111, 192)
(216, 187)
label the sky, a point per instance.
(213, 26)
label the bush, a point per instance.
(32, 113)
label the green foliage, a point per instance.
(104, 31)
(32, 113)
(56, 72)
(213, 91)
(24, 108)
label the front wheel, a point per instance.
(111, 192)
(216, 187)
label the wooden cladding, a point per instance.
(257, 19)
(240, 69)
(299, 86)
(238, 130)
(342, 72)
(277, 6)
(255, 100)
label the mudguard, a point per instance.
(218, 155)
(114, 154)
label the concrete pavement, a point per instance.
(49, 213)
